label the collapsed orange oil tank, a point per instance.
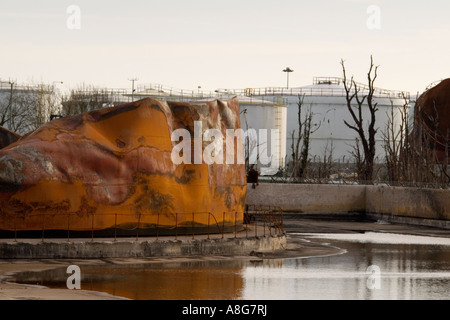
(112, 168)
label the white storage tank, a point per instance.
(325, 98)
(268, 119)
(264, 123)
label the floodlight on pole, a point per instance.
(288, 70)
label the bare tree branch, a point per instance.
(367, 142)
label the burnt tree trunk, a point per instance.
(367, 139)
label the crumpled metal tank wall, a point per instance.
(7, 137)
(432, 118)
(112, 169)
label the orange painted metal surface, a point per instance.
(112, 168)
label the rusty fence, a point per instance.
(270, 217)
(256, 221)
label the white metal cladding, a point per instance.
(328, 105)
(259, 114)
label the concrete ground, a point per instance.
(13, 291)
(320, 223)
(294, 248)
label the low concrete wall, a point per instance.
(423, 205)
(310, 198)
(428, 207)
(60, 249)
(410, 202)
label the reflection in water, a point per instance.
(409, 270)
(340, 277)
(211, 280)
(168, 283)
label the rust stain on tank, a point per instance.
(432, 119)
(113, 166)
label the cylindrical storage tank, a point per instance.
(326, 100)
(265, 125)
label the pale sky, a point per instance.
(224, 44)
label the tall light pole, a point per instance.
(288, 70)
(132, 87)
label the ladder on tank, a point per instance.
(278, 126)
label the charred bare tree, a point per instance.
(306, 143)
(41, 102)
(85, 99)
(409, 158)
(396, 143)
(297, 142)
(28, 107)
(301, 145)
(6, 109)
(366, 136)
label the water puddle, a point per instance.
(370, 265)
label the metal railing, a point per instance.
(202, 224)
(271, 218)
(162, 91)
(311, 91)
(322, 87)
